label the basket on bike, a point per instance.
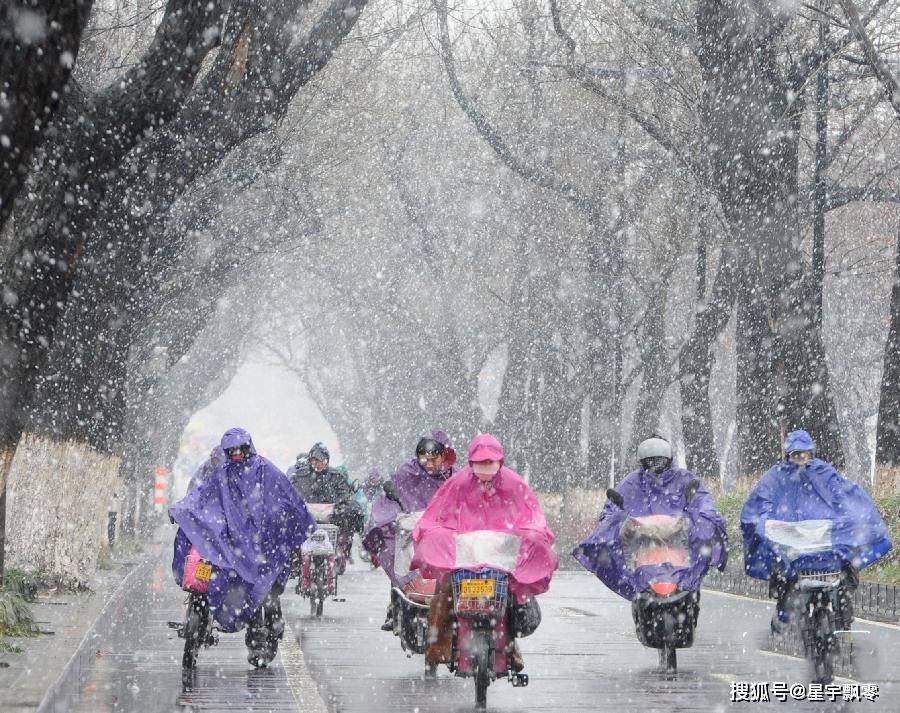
(322, 541)
(479, 592)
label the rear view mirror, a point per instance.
(616, 498)
(390, 491)
(690, 490)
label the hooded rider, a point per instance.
(246, 520)
(803, 487)
(485, 495)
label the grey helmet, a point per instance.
(655, 454)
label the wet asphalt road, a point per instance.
(583, 657)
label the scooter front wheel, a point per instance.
(319, 588)
(668, 659)
(194, 631)
(822, 653)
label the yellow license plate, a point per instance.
(203, 572)
(476, 588)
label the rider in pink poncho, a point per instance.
(485, 495)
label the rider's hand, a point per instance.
(629, 529)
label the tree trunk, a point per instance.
(603, 351)
(695, 361)
(39, 42)
(753, 123)
(654, 359)
(819, 177)
(887, 440)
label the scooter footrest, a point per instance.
(178, 626)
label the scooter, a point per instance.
(319, 564)
(411, 602)
(665, 614)
(197, 629)
(480, 593)
(820, 593)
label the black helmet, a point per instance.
(319, 452)
(430, 447)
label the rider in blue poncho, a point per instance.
(246, 519)
(804, 488)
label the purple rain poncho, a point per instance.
(816, 491)
(416, 487)
(645, 494)
(247, 520)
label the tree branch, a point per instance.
(839, 196)
(156, 87)
(321, 42)
(585, 77)
(535, 174)
(872, 57)
(815, 57)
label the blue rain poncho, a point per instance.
(809, 518)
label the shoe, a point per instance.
(389, 618)
(777, 626)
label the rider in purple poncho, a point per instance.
(246, 519)
(416, 482)
(655, 489)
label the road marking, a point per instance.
(302, 685)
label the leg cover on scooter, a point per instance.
(440, 632)
(344, 549)
(304, 584)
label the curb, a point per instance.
(54, 700)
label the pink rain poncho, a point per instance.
(505, 504)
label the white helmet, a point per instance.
(654, 447)
(655, 455)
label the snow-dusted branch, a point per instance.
(590, 82)
(816, 57)
(875, 60)
(534, 173)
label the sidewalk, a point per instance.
(65, 619)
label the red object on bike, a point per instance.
(420, 590)
(664, 589)
(191, 581)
